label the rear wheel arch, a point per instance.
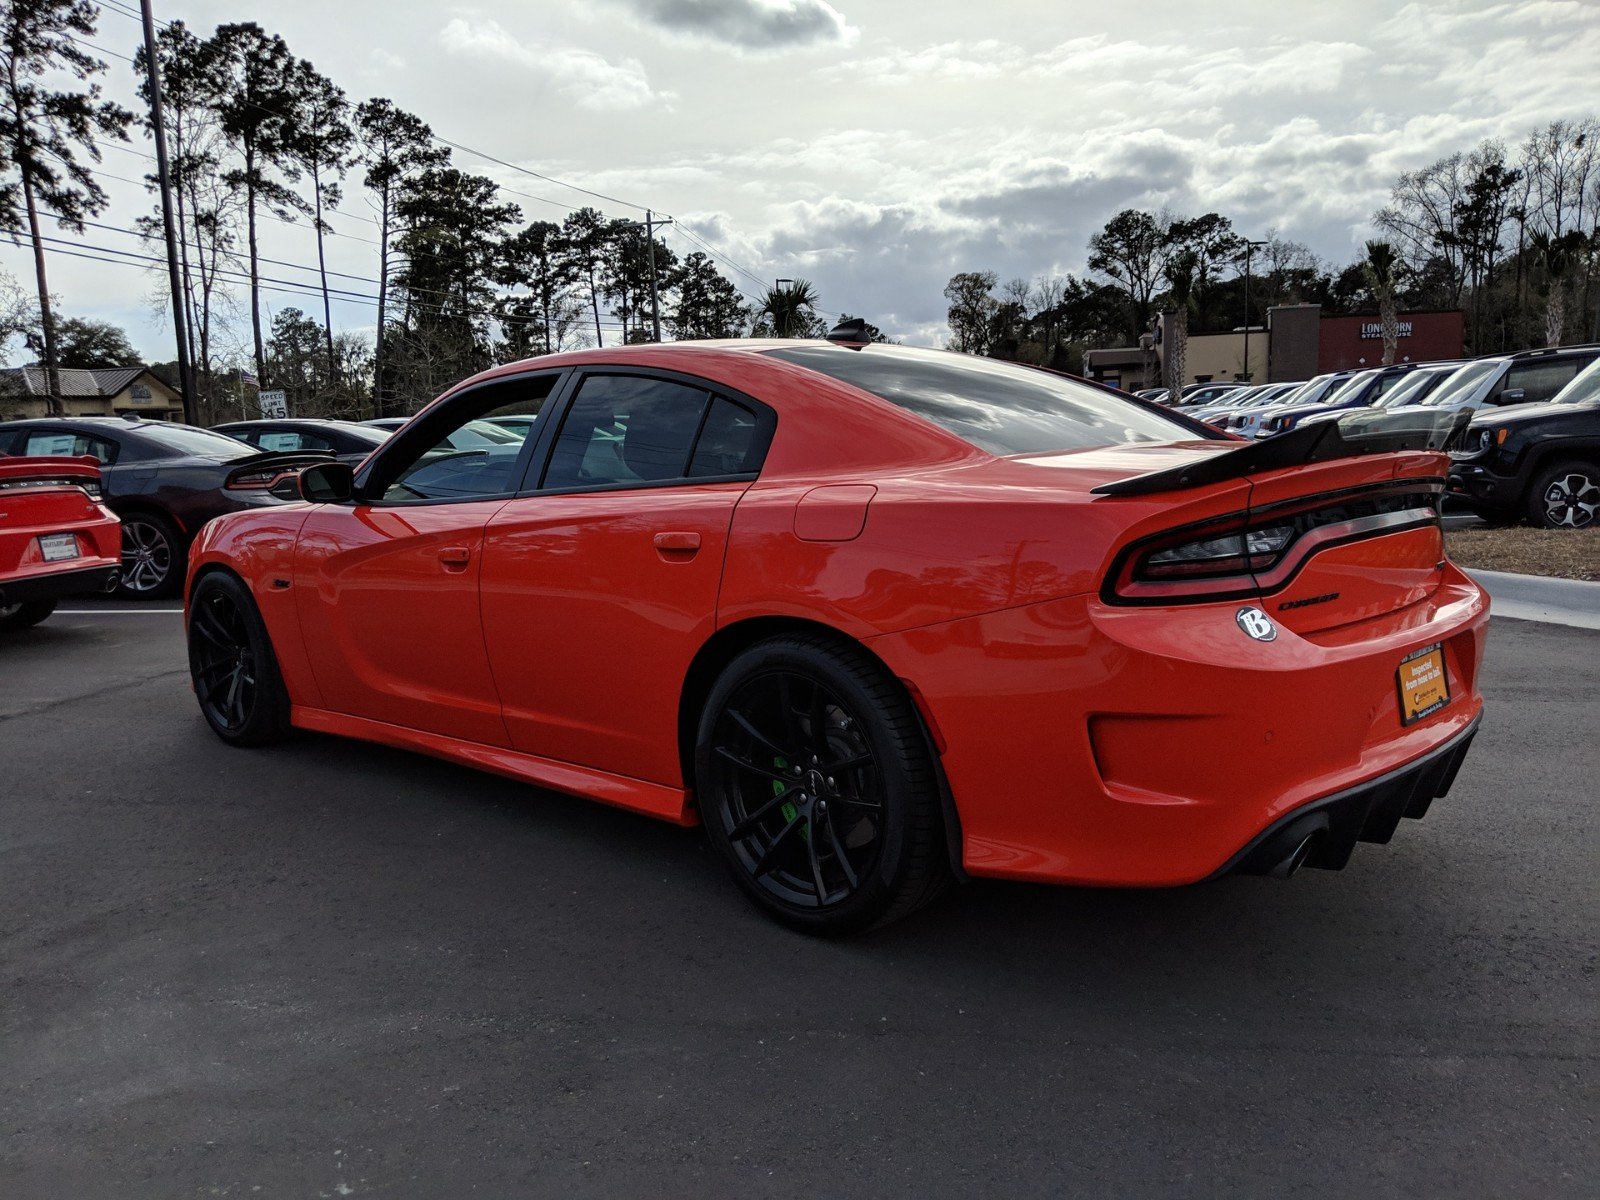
(143, 508)
(728, 643)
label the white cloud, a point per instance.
(582, 76)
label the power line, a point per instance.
(720, 256)
(130, 258)
(116, 6)
(327, 209)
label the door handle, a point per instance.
(455, 557)
(675, 542)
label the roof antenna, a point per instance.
(853, 332)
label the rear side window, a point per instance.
(68, 445)
(624, 430)
(997, 406)
(727, 441)
(1541, 381)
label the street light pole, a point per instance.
(1248, 247)
(164, 175)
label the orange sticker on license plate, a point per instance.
(1423, 687)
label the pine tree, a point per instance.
(322, 143)
(395, 146)
(258, 106)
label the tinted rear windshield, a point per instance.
(997, 406)
(186, 439)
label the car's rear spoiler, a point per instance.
(54, 470)
(1360, 433)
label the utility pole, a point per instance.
(163, 172)
(1248, 247)
(651, 224)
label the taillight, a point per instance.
(1246, 554)
(1245, 549)
(275, 481)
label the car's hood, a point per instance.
(1517, 414)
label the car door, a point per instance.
(387, 583)
(599, 587)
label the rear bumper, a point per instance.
(53, 586)
(1155, 747)
(1324, 832)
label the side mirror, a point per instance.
(1509, 396)
(327, 483)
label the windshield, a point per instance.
(1308, 392)
(186, 439)
(998, 406)
(1349, 389)
(1411, 389)
(1582, 390)
(1464, 381)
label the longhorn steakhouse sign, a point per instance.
(1374, 329)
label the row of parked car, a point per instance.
(111, 504)
(1532, 450)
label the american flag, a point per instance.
(249, 380)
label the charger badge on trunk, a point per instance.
(1256, 623)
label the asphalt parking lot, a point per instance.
(332, 969)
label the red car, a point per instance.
(876, 616)
(56, 538)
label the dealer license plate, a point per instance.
(1424, 690)
(57, 546)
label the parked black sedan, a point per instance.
(164, 480)
(349, 441)
(1539, 461)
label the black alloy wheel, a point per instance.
(231, 664)
(817, 786)
(1565, 496)
(152, 557)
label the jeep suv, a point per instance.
(1539, 461)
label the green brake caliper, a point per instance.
(789, 811)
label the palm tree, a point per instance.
(1180, 271)
(1381, 267)
(788, 311)
(1558, 255)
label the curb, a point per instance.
(1571, 602)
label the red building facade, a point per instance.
(1349, 343)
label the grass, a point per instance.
(1563, 554)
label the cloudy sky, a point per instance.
(876, 147)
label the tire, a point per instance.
(235, 673)
(154, 558)
(14, 617)
(852, 838)
(1565, 495)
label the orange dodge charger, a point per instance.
(878, 617)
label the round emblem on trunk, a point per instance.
(1256, 623)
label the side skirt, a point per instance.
(637, 795)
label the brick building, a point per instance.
(1299, 341)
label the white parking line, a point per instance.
(113, 612)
